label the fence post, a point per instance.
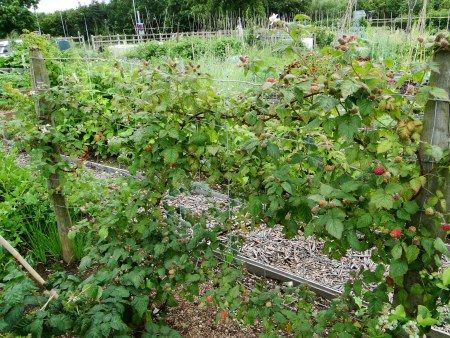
(93, 42)
(436, 132)
(41, 83)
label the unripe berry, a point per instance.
(329, 168)
(398, 159)
(429, 211)
(396, 196)
(315, 209)
(412, 229)
(387, 175)
(323, 203)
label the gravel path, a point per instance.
(299, 255)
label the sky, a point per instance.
(49, 6)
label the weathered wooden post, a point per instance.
(436, 132)
(41, 83)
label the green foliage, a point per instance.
(15, 15)
(25, 212)
(299, 150)
(187, 48)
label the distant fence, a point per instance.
(98, 41)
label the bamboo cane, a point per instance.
(4, 243)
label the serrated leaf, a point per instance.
(436, 152)
(170, 155)
(85, 262)
(350, 186)
(61, 322)
(412, 252)
(103, 233)
(327, 102)
(440, 246)
(411, 207)
(364, 220)
(140, 304)
(417, 183)
(424, 317)
(439, 93)
(384, 146)
(333, 222)
(381, 200)
(397, 251)
(287, 187)
(446, 277)
(273, 150)
(398, 268)
(349, 87)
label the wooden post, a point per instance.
(436, 132)
(41, 83)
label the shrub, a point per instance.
(187, 48)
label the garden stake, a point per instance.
(4, 243)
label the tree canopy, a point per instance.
(117, 16)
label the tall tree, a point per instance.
(15, 15)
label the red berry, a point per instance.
(223, 316)
(209, 298)
(378, 170)
(445, 227)
(271, 79)
(396, 233)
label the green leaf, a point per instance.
(287, 187)
(417, 183)
(103, 233)
(434, 151)
(350, 186)
(170, 155)
(199, 138)
(192, 278)
(364, 221)
(333, 222)
(397, 252)
(326, 102)
(424, 317)
(365, 106)
(254, 205)
(398, 268)
(85, 262)
(349, 87)
(439, 93)
(412, 252)
(381, 200)
(440, 246)
(348, 125)
(140, 304)
(446, 276)
(384, 146)
(411, 207)
(353, 241)
(273, 150)
(399, 313)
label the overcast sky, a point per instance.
(49, 6)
